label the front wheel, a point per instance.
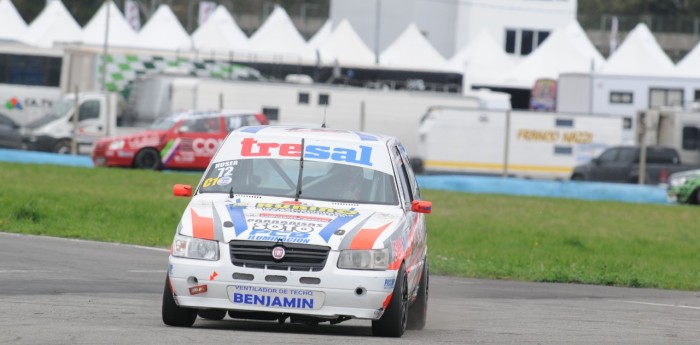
(418, 312)
(147, 158)
(174, 315)
(393, 322)
(62, 147)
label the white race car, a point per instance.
(305, 224)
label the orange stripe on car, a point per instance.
(396, 264)
(398, 247)
(386, 301)
(202, 227)
(410, 237)
(365, 238)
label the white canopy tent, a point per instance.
(690, 64)
(412, 50)
(120, 32)
(567, 49)
(220, 32)
(321, 35)
(482, 62)
(54, 24)
(12, 26)
(278, 36)
(163, 31)
(346, 48)
(639, 54)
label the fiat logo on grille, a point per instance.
(278, 253)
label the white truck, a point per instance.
(512, 143)
(97, 117)
(674, 127)
(24, 104)
(392, 112)
(29, 81)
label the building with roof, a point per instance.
(517, 26)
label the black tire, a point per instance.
(147, 158)
(393, 322)
(174, 315)
(212, 314)
(62, 147)
(418, 312)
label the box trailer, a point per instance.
(391, 112)
(513, 143)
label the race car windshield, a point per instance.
(321, 181)
(163, 123)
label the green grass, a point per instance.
(472, 235)
(557, 240)
(112, 205)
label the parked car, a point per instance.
(621, 164)
(684, 187)
(306, 224)
(181, 141)
(10, 136)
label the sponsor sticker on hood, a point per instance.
(290, 222)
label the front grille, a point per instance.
(298, 257)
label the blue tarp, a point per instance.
(543, 188)
(18, 156)
(457, 183)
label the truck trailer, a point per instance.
(512, 143)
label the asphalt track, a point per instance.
(57, 291)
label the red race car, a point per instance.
(181, 141)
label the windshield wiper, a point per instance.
(301, 171)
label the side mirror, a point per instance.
(421, 206)
(595, 161)
(183, 129)
(182, 190)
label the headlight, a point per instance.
(376, 259)
(195, 248)
(116, 145)
(679, 179)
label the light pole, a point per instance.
(104, 71)
(376, 31)
(104, 49)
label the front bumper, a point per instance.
(339, 292)
(112, 158)
(672, 195)
(43, 143)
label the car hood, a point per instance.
(583, 167)
(140, 139)
(337, 225)
(39, 122)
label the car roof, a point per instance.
(649, 147)
(310, 132)
(193, 114)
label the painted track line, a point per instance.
(661, 305)
(89, 241)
